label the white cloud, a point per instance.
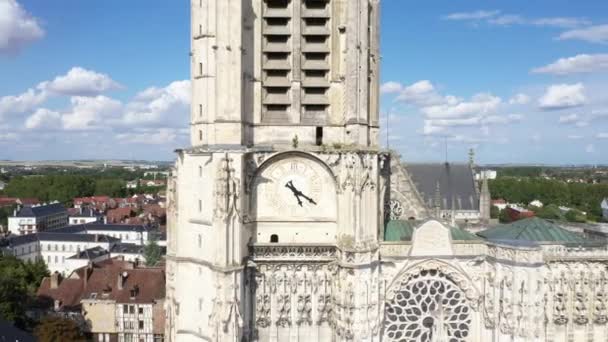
(160, 106)
(498, 119)
(497, 18)
(8, 136)
(390, 88)
(561, 22)
(590, 148)
(17, 27)
(602, 135)
(43, 119)
(578, 64)
(80, 82)
(480, 104)
(421, 93)
(562, 96)
(476, 15)
(22, 103)
(156, 137)
(575, 137)
(592, 34)
(508, 19)
(77, 82)
(89, 113)
(570, 118)
(519, 99)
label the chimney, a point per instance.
(87, 273)
(55, 280)
(122, 279)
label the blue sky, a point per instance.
(519, 81)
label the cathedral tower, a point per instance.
(274, 211)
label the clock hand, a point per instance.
(295, 192)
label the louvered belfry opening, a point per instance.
(296, 61)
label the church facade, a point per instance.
(287, 222)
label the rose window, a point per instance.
(429, 307)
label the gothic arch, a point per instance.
(430, 300)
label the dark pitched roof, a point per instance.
(8, 333)
(46, 236)
(127, 248)
(84, 212)
(533, 229)
(456, 185)
(96, 226)
(90, 254)
(42, 210)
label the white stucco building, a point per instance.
(37, 218)
(287, 222)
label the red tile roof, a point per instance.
(139, 285)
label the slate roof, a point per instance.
(456, 185)
(402, 230)
(533, 229)
(43, 210)
(127, 248)
(8, 333)
(90, 254)
(96, 226)
(46, 236)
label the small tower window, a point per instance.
(200, 206)
(200, 171)
(274, 238)
(319, 136)
(200, 135)
(200, 110)
(200, 69)
(200, 241)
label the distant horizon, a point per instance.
(149, 161)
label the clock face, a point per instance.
(292, 187)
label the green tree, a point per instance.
(55, 329)
(550, 212)
(110, 187)
(494, 212)
(575, 216)
(152, 253)
(504, 217)
(18, 284)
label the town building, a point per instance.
(517, 213)
(83, 215)
(287, 222)
(125, 233)
(2, 185)
(605, 208)
(119, 300)
(37, 218)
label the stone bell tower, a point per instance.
(274, 210)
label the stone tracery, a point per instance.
(429, 307)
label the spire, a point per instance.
(437, 201)
(472, 158)
(485, 201)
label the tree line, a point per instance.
(581, 196)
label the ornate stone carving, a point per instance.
(284, 310)
(429, 307)
(226, 190)
(394, 210)
(304, 310)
